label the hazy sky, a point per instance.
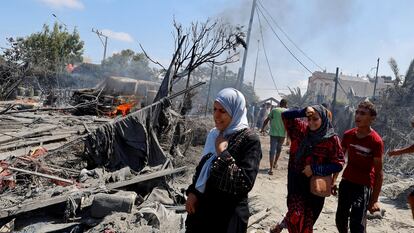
(349, 34)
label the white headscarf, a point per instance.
(234, 103)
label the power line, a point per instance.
(281, 41)
(340, 85)
(265, 53)
(277, 25)
(291, 41)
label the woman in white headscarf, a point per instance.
(217, 198)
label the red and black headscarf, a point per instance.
(314, 137)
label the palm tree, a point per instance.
(402, 93)
(409, 77)
(394, 67)
(295, 98)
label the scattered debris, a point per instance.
(51, 158)
(103, 204)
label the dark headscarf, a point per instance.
(314, 137)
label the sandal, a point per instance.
(270, 172)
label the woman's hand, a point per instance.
(191, 203)
(221, 144)
(309, 111)
(307, 171)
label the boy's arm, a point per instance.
(409, 149)
(374, 204)
(264, 124)
(336, 174)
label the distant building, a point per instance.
(321, 85)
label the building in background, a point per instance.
(321, 85)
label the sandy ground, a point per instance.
(270, 192)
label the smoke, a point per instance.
(333, 12)
(302, 20)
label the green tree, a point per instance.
(47, 51)
(409, 77)
(402, 92)
(42, 55)
(129, 64)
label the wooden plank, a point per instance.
(13, 136)
(16, 119)
(22, 208)
(39, 110)
(40, 174)
(24, 151)
(39, 141)
(145, 177)
(26, 207)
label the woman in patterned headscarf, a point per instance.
(315, 150)
(217, 198)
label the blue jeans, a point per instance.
(276, 143)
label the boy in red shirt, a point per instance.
(362, 179)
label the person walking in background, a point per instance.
(277, 133)
(264, 111)
(315, 150)
(217, 197)
(256, 115)
(362, 178)
(406, 150)
(260, 115)
(250, 114)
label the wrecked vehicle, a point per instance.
(115, 96)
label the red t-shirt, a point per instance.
(361, 154)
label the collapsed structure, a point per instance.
(75, 165)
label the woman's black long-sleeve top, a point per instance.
(232, 176)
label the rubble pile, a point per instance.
(68, 171)
(395, 127)
(395, 109)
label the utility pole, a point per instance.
(335, 91)
(104, 43)
(209, 89)
(255, 67)
(224, 81)
(241, 75)
(376, 80)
